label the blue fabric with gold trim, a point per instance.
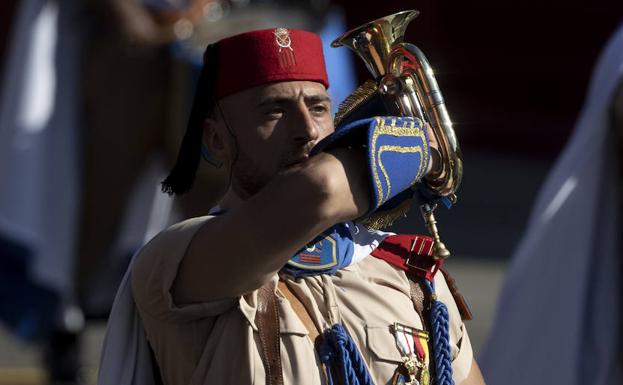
(397, 152)
(327, 253)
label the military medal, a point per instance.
(413, 346)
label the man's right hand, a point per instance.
(397, 152)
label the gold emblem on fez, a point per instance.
(282, 38)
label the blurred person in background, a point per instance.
(47, 167)
(39, 167)
(559, 318)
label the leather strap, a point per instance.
(267, 322)
(417, 296)
(461, 304)
(300, 310)
(305, 317)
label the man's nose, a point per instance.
(306, 129)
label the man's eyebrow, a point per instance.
(317, 98)
(272, 100)
(276, 100)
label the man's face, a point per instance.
(275, 126)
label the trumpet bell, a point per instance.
(372, 41)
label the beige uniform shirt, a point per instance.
(217, 342)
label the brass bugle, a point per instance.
(407, 81)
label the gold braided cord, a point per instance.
(375, 174)
(407, 129)
(385, 219)
(354, 100)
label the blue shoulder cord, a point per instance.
(439, 324)
(339, 349)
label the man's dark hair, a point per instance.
(182, 176)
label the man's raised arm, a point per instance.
(240, 250)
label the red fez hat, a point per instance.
(235, 64)
(254, 58)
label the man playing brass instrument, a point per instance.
(282, 284)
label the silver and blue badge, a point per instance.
(327, 253)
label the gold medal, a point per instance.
(413, 346)
(411, 365)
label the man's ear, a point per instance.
(214, 149)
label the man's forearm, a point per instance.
(239, 251)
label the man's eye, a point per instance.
(275, 112)
(319, 109)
